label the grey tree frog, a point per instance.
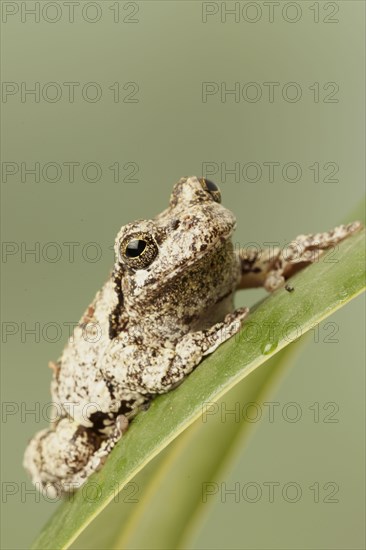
(167, 304)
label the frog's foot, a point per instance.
(272, 267)
(219, 333)
(60, 460)
(304, 250)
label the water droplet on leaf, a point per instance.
(269, 347)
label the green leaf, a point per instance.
(320, 289)
(197, 456)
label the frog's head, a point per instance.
(189, 241)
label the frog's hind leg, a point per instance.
(97, 460)
(60, 459)
(272, 267)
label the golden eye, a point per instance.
(138, 250)
(211, 188)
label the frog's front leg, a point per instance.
(60, 459)
(271, 267)
(173, 364)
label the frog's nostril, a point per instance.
(175, 223)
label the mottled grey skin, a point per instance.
(150, 325)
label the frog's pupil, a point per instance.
(135, 248)
(211, 186)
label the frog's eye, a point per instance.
(135, 248)
(211, 188)
(138, 250)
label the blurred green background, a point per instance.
(158, 55)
